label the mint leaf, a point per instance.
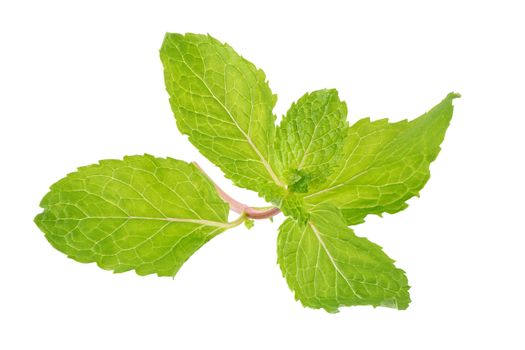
(143, 213)
(384, 164)
(328, 266)
(310, 138)
(224, 104)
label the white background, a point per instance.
(82, 81)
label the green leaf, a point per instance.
(384, 164)
(224, 104)
(292, 205)
(143, 213)
(310, 138)
(328, 266)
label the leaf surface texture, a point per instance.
(385, 164)
(310, 138)
(224, 104)
(328, 266)
(143, 213)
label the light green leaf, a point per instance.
(310, 139)
(143, 213)
(328, 266)
(385, 164)
(224, 104)
(292, 205)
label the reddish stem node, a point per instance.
(238, 207)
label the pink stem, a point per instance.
(238, 207)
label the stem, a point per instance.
(241, 208)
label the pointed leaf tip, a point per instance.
(453, 95)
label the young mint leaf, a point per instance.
(249, 224)
(384, 164)
(224, 104)
(328, 266)
(310, 138)
(293, 205)
(143, 213)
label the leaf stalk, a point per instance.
(241, 208)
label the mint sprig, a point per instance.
(151, 214)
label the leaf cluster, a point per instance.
(151, 214)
